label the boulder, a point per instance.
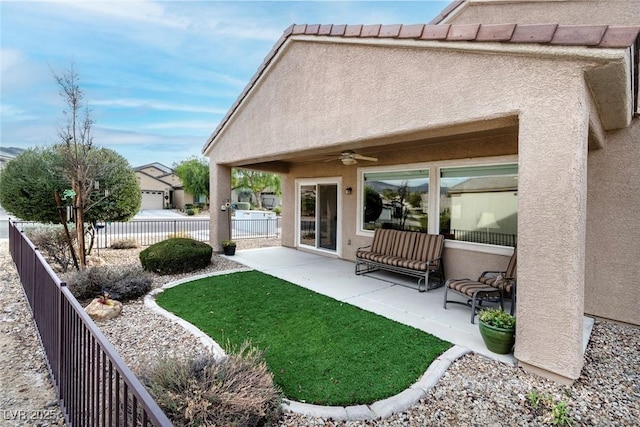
(103, 309)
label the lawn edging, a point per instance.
(380, 409)
(205, 340)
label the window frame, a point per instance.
(434, 197)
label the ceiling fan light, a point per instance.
(348, 161)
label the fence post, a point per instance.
(62, 383)
(33, 282)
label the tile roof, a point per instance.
(600, 36)
(553, 34)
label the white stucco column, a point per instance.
(552, 192)
(219, 194)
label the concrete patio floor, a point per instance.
(396, 297)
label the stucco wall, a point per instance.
(605, 12)
(148, 183)
(320, 106)
(612, 285)
(334, 94)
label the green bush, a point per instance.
(122, 283)
(243, 206)
(190, 211)
(277, 210)
(174, 256)
(235, 391)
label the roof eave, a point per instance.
(603, 43)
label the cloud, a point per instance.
(156, 105)
(14, 114)
(138, 11)
(199, 125)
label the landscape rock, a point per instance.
(100, 309)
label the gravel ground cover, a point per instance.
(475, 391)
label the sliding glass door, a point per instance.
(318, 215)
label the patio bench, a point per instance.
(405, 252)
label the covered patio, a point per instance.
(371, 124)
(394, 297)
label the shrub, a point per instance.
(190, 211)
(277, 210)
(237, 390)
(173, 256)
(498, 318)
(124, 244)
(182, 234)
(122, 283)
(52, 242)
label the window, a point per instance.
(480, 204)
(467, 203)
(396, 199)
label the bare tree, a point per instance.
(76, 142)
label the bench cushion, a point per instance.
(403, 244)
(428, 247)
(393, 260)
(383, 241)
(468, 287)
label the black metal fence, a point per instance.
(94, 385)
(148, 232)
(490, 238)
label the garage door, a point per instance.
(152, 199)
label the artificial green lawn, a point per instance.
(319, 350)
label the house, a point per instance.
(161, 188)
(543, 92)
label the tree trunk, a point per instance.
(79, 210)
(63, 219)
(258, 195)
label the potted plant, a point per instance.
(229, 247)
(498, 330)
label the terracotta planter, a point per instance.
(497, 340)
(229, 250)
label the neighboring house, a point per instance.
(8, 153)
(161, 188)
(543, 91)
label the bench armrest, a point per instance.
(494, 273)
(363, 247)
(434, 261)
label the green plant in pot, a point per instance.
(498, 330)
(229, 247)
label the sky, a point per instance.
(158, 76)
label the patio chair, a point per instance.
(491, 286)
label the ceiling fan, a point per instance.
(349, 157)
